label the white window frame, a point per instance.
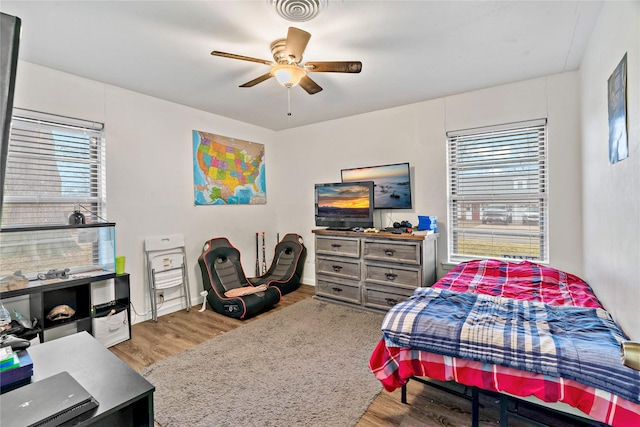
(516, 155)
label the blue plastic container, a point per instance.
(428, 223)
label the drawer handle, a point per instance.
(389, 252)
(391, 276)
(336, 268)
(391, 301)
(336, 245)
(336, 290)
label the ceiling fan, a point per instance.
(286, 66)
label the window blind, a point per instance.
(53, 163)
(497, 192)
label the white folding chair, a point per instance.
(166, 260)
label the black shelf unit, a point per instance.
(75, 293)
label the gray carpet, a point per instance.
(305, 365)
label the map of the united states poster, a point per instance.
(227, 171)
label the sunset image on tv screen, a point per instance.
(338, 201)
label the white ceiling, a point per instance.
(411, 51)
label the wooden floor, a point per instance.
(152, 342)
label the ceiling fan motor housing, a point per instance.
(280, 55)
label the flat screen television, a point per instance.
(344, 205)
(392, 184)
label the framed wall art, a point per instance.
(617, 100)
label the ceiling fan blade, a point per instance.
(334, 67)
(309, 85)
(240, 57)
(257, 80)
(297, 40)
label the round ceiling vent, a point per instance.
(298, 10)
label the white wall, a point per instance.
(611, 193)
(150, 170)
(416, 133)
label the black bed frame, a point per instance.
(505, 411)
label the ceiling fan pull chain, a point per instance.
(289, 102)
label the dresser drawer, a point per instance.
(346, 247)
(394, 275)
(346, 268)
(384, 298)
(404, 252)
(345, 290)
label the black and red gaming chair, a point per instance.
(221, 272)
(285, 271)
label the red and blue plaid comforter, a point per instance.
(408, 354)
(577, 343)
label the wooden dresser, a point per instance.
(372, 270)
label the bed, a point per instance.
(513, 328)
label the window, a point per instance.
(54, 163)
(497, 205)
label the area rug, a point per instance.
(305, 365)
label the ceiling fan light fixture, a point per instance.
(298, 10)
(288, 75)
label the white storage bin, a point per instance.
(113, 329)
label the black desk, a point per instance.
(125, 397)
